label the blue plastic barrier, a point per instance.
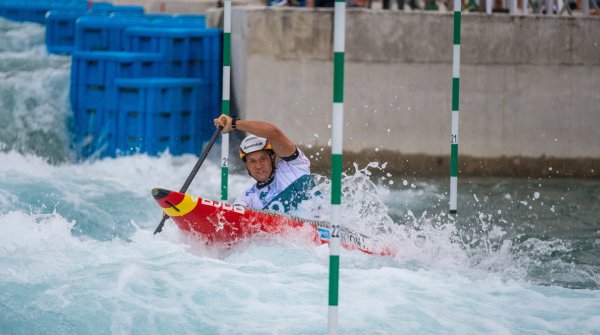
(126, 14)
(93, 93)
(105, 33)
(35, 11)
(101, 29)
(108, 8)
(189, 52)
(175, 43)
(158, 114)
(205, 56)
(93, 75)
(102, 7)
(118, 112)
(60, 29)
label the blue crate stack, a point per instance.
(140, 83)
(189, 53)
(60, 23)
(157, 114)
(94, 99)
(35, 11)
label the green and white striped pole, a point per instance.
(225, 95)
(455, 96)
(339, 30)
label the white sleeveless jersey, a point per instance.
(288, 188)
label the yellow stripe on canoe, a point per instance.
(185, 206)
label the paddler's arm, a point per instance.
(282, 145)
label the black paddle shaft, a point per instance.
(200, 161)
(189, 179)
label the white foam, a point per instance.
(152, 283)
(77, 253)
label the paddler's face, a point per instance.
(259, 165)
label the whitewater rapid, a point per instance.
(78, 254)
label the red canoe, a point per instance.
(220, 222)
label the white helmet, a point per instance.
(253, 143)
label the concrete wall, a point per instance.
(530, 86)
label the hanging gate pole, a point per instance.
(336, 161)
(225, 95)
(455, 96)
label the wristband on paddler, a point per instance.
(233, 122)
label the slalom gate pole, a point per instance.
(455, 96)
(339, 31)
(225, 95)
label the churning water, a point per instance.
(77, 253)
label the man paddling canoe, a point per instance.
(282, 174)
(281, 170)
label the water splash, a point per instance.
(21, 37)
(33, 94)
(488, 236)
(77, 241)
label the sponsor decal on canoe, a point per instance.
(224, 205)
